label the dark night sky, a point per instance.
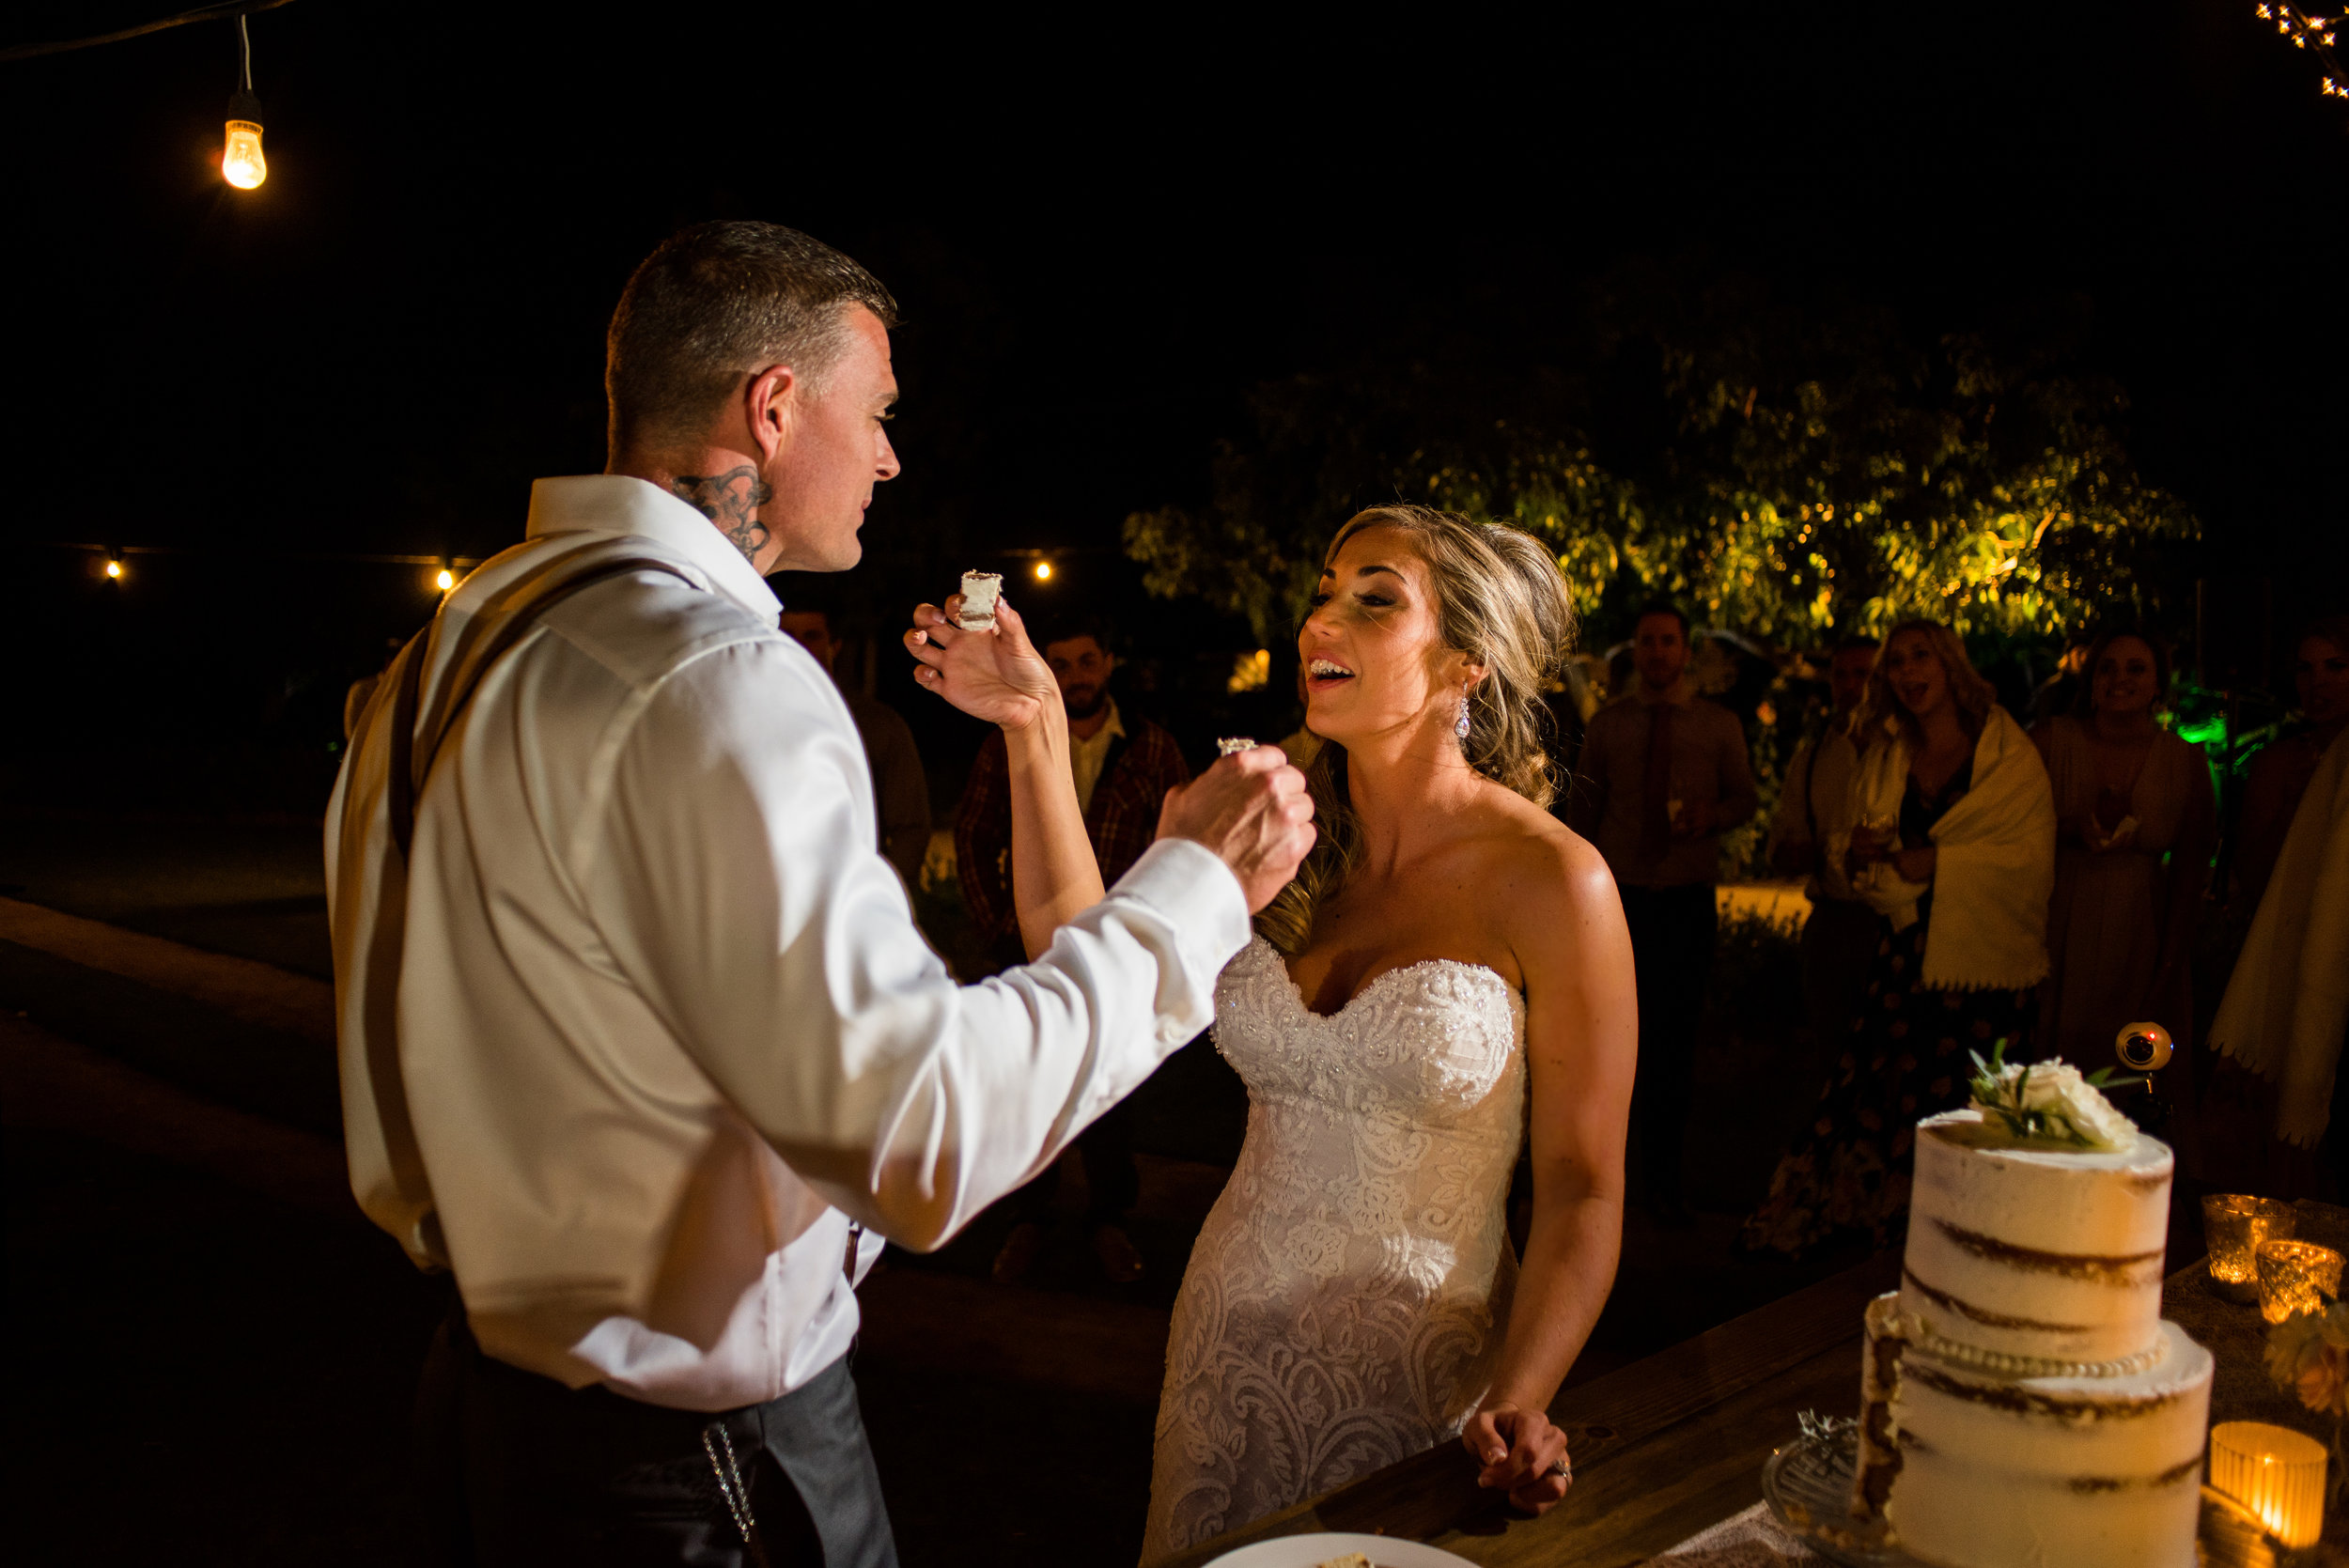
(1105, 230)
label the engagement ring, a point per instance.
(1560, 1468)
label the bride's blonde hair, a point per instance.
(1500, 599)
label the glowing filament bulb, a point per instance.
(444, 580)
(114, 569)
(241, 161)
(1044, 571)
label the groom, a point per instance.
(637, 1039)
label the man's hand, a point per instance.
(1695, 820)
(995, 675)
(1520, 1450)
(1251, 809)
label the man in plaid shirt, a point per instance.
(1124, 771)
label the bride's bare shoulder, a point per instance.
(1540, 860)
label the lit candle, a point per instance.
(2295, 1276)
(2276, 1472)
(2234, 1226)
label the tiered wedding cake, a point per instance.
(2023, 1401)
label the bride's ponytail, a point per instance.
(1501, 600)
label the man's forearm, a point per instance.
(1054, 876)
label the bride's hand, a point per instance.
(995, 675)
(1520, 1452)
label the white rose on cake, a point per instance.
(2050, 1102)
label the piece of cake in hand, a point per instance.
(980, 590)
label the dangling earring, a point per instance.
(1460, 726)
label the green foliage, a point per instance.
(1818, 478)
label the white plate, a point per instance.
(1307, 1551)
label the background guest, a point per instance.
(901, 795)
(1124, 769)
(2279, 774)
(1839, 936)
(2287, 1003)
(1663, 775)
(1955, 846)
(2135, 823)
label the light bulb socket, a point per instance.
(244, 106)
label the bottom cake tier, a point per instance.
(1983, 1469)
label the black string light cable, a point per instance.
(443, 573)
(221, 12)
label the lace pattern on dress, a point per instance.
(1347, 1296)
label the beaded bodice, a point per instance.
(1345, 1300)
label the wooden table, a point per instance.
(1661, 1447)
(1668, 1445)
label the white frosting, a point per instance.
(2042, 1254)
(2053, 1472)
(980, 590)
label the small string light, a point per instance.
(113, 566)
(1044, 571)
(240, 160)
(444, 579)
(2310, 31)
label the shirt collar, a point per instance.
(1677, 694)
(618, 503)
(1116, 726)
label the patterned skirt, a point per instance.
(1848, 1171)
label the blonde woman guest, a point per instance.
(1955, 847)
(2135, 823)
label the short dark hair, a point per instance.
(1661, 607)
(714, 302)
(1856, 642)
(1068, 626)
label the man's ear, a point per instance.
(769, 408)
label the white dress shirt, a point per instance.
(648, 1022)
(1815, 805)
(1087, 753)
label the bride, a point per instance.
(1448, 975)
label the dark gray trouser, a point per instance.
(518, 1471)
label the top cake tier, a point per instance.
(2028, 1255)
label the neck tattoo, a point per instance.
(731, 500)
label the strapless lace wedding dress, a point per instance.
(1347, 1297)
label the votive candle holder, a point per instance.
(2276, 1472)
(2295, 1276)
(2233, 1225)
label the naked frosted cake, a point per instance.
(2022, 1400)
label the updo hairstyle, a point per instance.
(1500, 599)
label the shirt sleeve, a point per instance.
(738, 895)
(983, 843)
(1791, 822)
(1739, 799)
(1586, 805)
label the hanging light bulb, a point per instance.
(1044, 571)
(114, 566)
(444, 579)
(240, 160)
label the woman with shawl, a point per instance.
(1954, 848)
